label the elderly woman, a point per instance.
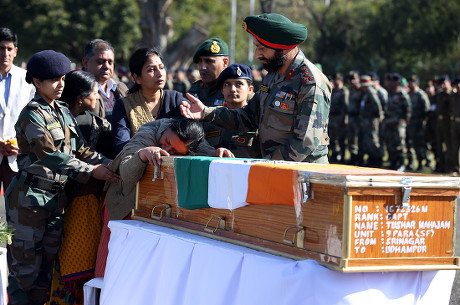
(146, 100)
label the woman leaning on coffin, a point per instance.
(153, 140)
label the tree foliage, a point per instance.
(68, 25)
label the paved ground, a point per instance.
(454, 298)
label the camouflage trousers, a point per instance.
(395, 140)
(36, 241)
(444, 161)
(337, 135)
(416, 140)
(369, 138)
(353, 134)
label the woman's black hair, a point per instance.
(77, 83)
(137, 61)
(189, 131)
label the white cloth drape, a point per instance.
(149, 264)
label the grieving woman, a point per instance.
(152, 141)
(146, 100)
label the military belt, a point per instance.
(43, 183)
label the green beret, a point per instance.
(211, 47)
(275, 31)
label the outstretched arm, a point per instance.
(193, 109)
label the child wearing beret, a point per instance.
(51, 151)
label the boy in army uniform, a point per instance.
(51, 151)
(235, 83)
(291, 108)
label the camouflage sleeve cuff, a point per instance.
(85, 173)
(208, 114)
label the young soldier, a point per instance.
(235, 83)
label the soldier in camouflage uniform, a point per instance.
(291, 108)
(444, 163)
(235, 83)
(370, 116)
(455, 127)
(353, 117)
(338, 119)
(416, 143)
(50, 148)
(396, 117)
(211, 58)
(383, 96)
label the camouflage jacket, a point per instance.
(398, 108)
(371, 107)
(420, 104)
(51, 144)
(339, 103)
(291, 112)
(354, 102)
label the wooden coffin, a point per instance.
(350, 219)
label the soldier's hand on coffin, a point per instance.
(193, 109)
(224, 153)
(152, 155)
(102, 172)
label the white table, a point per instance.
(150, 264)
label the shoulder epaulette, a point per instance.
(306, 75)
(32, 105)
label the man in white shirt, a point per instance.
(15, 93)
(99, 59)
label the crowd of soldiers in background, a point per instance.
(396, 122)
